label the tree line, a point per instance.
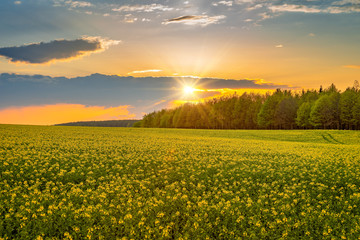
(284, 109)
(108, 123)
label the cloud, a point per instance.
(294, 8)
(129, 18)
(40, 53)
(244, 1)
(352, 66)
(143, 8)
(346, 6)
(76, 4)
(279, 46)
(17, 2)
(160, 102)
(61, 113)
(344, 9)
(202, 20)
(18, 91)
(225, 3)
(216, 84)
(71, 4)
(261, 9)
(145, 71)
(345, 2)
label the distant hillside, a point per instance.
(110, 123)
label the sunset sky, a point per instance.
(66, 60)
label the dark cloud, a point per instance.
(144, 94)
(184, 18)
(105, 90)
(214, 83)
(39, 53)
(203, 20)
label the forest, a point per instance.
(109, 123)
(283, 109)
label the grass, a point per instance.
(109, 183)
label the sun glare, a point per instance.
(189, 90)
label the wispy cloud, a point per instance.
(129, 18)
(245, 1)
(279, 46)
(61, 113)
(17, 2)
(72, 4)
(160, 102)
(202, 20)
(345, 2)
(344, 9)
(352, 66)
(225, 3)
(145, 71)
(294, 8)
(273, 8)
(260, 9)
(75, 4)
(40, 53)
(143, 8)
(315, 9)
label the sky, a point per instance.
(66, 60)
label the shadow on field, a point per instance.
(330, 139)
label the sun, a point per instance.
(189, 90)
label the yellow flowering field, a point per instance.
(128, 183)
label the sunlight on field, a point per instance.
(108, 183)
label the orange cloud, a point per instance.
(352, 66)
(145, 71)
(159, 102)
(62, 113)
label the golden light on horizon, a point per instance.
(197, 95)
(188, 90)
(62, 113)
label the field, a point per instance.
(109, 183)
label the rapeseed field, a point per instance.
(121, 183)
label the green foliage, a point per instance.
(347, 102)
(266, 116)
(325, 112)
(285, 113)
(234, 112)
(318, 111)
(303, 115)
(328, 109)
(356, 112)
(128, 183)
(137, 124)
